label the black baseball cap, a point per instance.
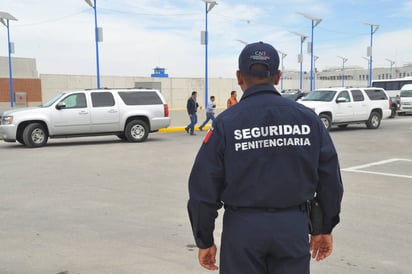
(259, 53)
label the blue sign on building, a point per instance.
(159, 72)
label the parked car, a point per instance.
(294, 94)
(128, 113)
(405, 99)
(343, 106)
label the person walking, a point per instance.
(191, 107)
(262, 161)
(210, 112)
(232, 99)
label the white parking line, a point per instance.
(358, 168)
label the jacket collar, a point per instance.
(258, 89)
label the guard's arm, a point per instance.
(330, 189)
(205, 187)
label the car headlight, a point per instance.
(7, 120)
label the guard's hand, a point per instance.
(207, 258)
(321, 246)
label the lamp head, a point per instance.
(89, 2)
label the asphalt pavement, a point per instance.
(101, 205)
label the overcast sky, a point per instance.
(142, 34)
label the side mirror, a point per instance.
(341, 100)
(61, 105)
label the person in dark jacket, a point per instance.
(262, 161)
(191, 107)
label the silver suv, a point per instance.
(348, 105)
(128, 113)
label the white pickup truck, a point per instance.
(342, 106)
(128, 113)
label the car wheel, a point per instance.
(20, 139)
(326, 120)
(343, 126)
(374, 120)
(136, 131)
(35, 135)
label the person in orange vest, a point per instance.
(232, 99)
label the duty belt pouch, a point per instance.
(315, 217)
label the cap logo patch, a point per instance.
(260, 56)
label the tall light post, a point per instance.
(344, 60)
(300, 56)
(209, 5)
(98, 33)
(374, 28)
(391, 63)
(5, 20)
(315, 58)
(367, 59)
(282, 56)
(315, 22)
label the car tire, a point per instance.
(326, 120)
(20, 140)
(35, 135)
(136, 131)
(374, 120)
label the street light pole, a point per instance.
(300, 58)
(315, 58)
(98, 38)
(344, 60)
(209, 5)
(315, 22)
(374, 28)
(5, 20)
(391, 63)
(367, 59)
(283, 55)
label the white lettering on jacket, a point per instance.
(279, 136)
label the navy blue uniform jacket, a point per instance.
(266, 151)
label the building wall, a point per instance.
(21, 67)
(32, 87)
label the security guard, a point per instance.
(263, 160)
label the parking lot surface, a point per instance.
(99, 205)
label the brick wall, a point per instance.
(32, 87)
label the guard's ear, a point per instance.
(277, 77)
(240, 80)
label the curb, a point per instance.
(181, 129)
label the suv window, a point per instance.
(320, 95)
(140, 98)
(357, 95)
(102, 99)
(344, 94)
(406, 93)
(376, 94)
(77, 100)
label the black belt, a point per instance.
(301, 207)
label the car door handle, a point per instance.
(83, 112)
(112, 111)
